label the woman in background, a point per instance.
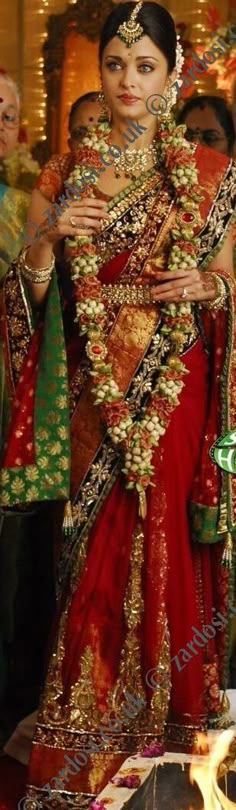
(14, 203)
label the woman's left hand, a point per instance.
(182, 285)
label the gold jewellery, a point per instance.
(35, 275)
(220, 302)
(119, 294)
(131, 31)
(132, 162)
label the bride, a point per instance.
(141, 338)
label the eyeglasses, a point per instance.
(10, 118)
(206, 136)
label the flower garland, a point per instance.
(137, 438)
(19, 169)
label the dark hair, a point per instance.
(92, 96)
(221, 110)
(157, 24)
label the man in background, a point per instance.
(209, 121)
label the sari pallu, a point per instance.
(123, 608)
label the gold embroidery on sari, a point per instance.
(161, 695)
(128, 217)
(76, 386)
(52, 712)
(83, 712)
(130, 658)
(219, 217)
(19, 325)
(162, 214)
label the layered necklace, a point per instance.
(133, 162)
(137, 438)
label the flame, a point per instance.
(205, 773)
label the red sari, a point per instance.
(134, 592)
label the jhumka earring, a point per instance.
(168, 102)
(105, 112)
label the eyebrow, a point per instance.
(113, 56)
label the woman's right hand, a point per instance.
(81, 218)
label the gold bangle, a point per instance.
(118, 294)
(35, 275)
(220, 301)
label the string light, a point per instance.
(35, 96)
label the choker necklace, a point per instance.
(132, 162)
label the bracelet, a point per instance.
(36, 276)
(220, 301)
(126, 294)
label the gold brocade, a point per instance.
(52, 712)
(123, 228)
(161, 696)
(83, 712)
(130, 658)
(17, 341)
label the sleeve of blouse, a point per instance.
(51, 179)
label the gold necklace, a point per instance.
(132, 162)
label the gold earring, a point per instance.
(105, 112)
(166, 106)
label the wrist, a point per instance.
(32, 270)
(218, 298)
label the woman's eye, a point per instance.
(146, 68)
(114, 65)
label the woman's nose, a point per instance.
(128, 77)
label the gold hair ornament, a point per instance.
(131, 31)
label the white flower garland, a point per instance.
(138, 438)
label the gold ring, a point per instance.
(184, 293)
(73, 222)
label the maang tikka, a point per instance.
(131, 31)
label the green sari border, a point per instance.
(203, 522)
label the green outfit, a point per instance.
(13, 213)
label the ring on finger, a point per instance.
(184, 294)
(73, 222)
